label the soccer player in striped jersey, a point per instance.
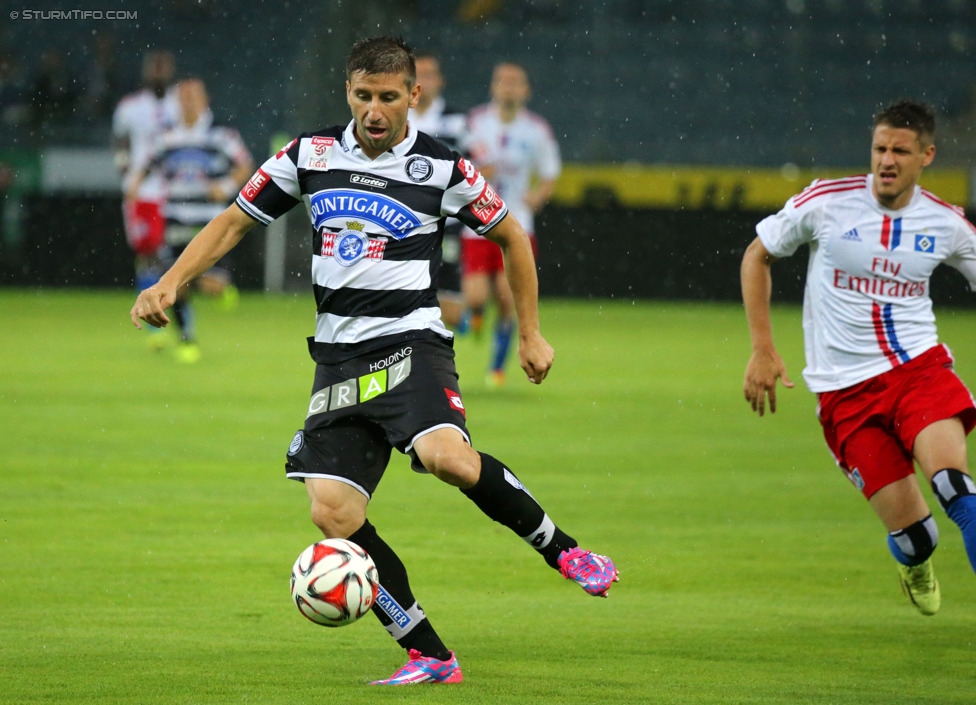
(887, 394)
(377, 194)
(201, 166)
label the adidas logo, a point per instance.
(851, 235)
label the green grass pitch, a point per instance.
(147, 530)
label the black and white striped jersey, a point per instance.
(377, 227)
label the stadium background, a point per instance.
(681, 123)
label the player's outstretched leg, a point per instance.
(957, 495)
(912, 547)
(430, 661)
(503, 498)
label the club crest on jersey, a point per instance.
(924, 243)
(352, 244)
(419, 169)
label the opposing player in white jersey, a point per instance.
(138, 120)
(201, 167)
(887, 395)
(516, 150)
(434, 116)
(377, 194)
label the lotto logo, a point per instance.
(254, 185)
(454, 399)
(467, 168)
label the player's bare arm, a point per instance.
(765, 365)
(218, 238)
(535, 354)
(539, 195)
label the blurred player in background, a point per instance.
(137, 122)
(516, 151)
(377, 194)
(887, 394)
(435, 117)
(201, 167)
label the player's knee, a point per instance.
(336, 520)
(455, 462)
(915, 543)
(951, 485)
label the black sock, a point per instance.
(504, 499)
(184, 319)
(395, 606)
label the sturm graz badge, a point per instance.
(297, 443)
(419, 169)
(350, 246)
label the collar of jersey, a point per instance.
(398, 151)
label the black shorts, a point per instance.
(363, 408)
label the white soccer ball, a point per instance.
(334, 582)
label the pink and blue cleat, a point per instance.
(591, 571)
(425, 669)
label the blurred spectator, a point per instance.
(14, 108)
(100, 90)
(53, 93)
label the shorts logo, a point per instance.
(254, 185)
(372, 385)
(349, 246)
(924, 243)
(487, 206)
(855, 477)
(384, 375)
(419, 169)
(454, 399)
(297, 443)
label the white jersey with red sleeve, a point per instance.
(138, 121)
(518, 152)
(867, 305)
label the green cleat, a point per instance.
(918, 582)
(187, 353)
(230, 297)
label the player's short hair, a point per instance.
(378, 55)
(910, 114)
